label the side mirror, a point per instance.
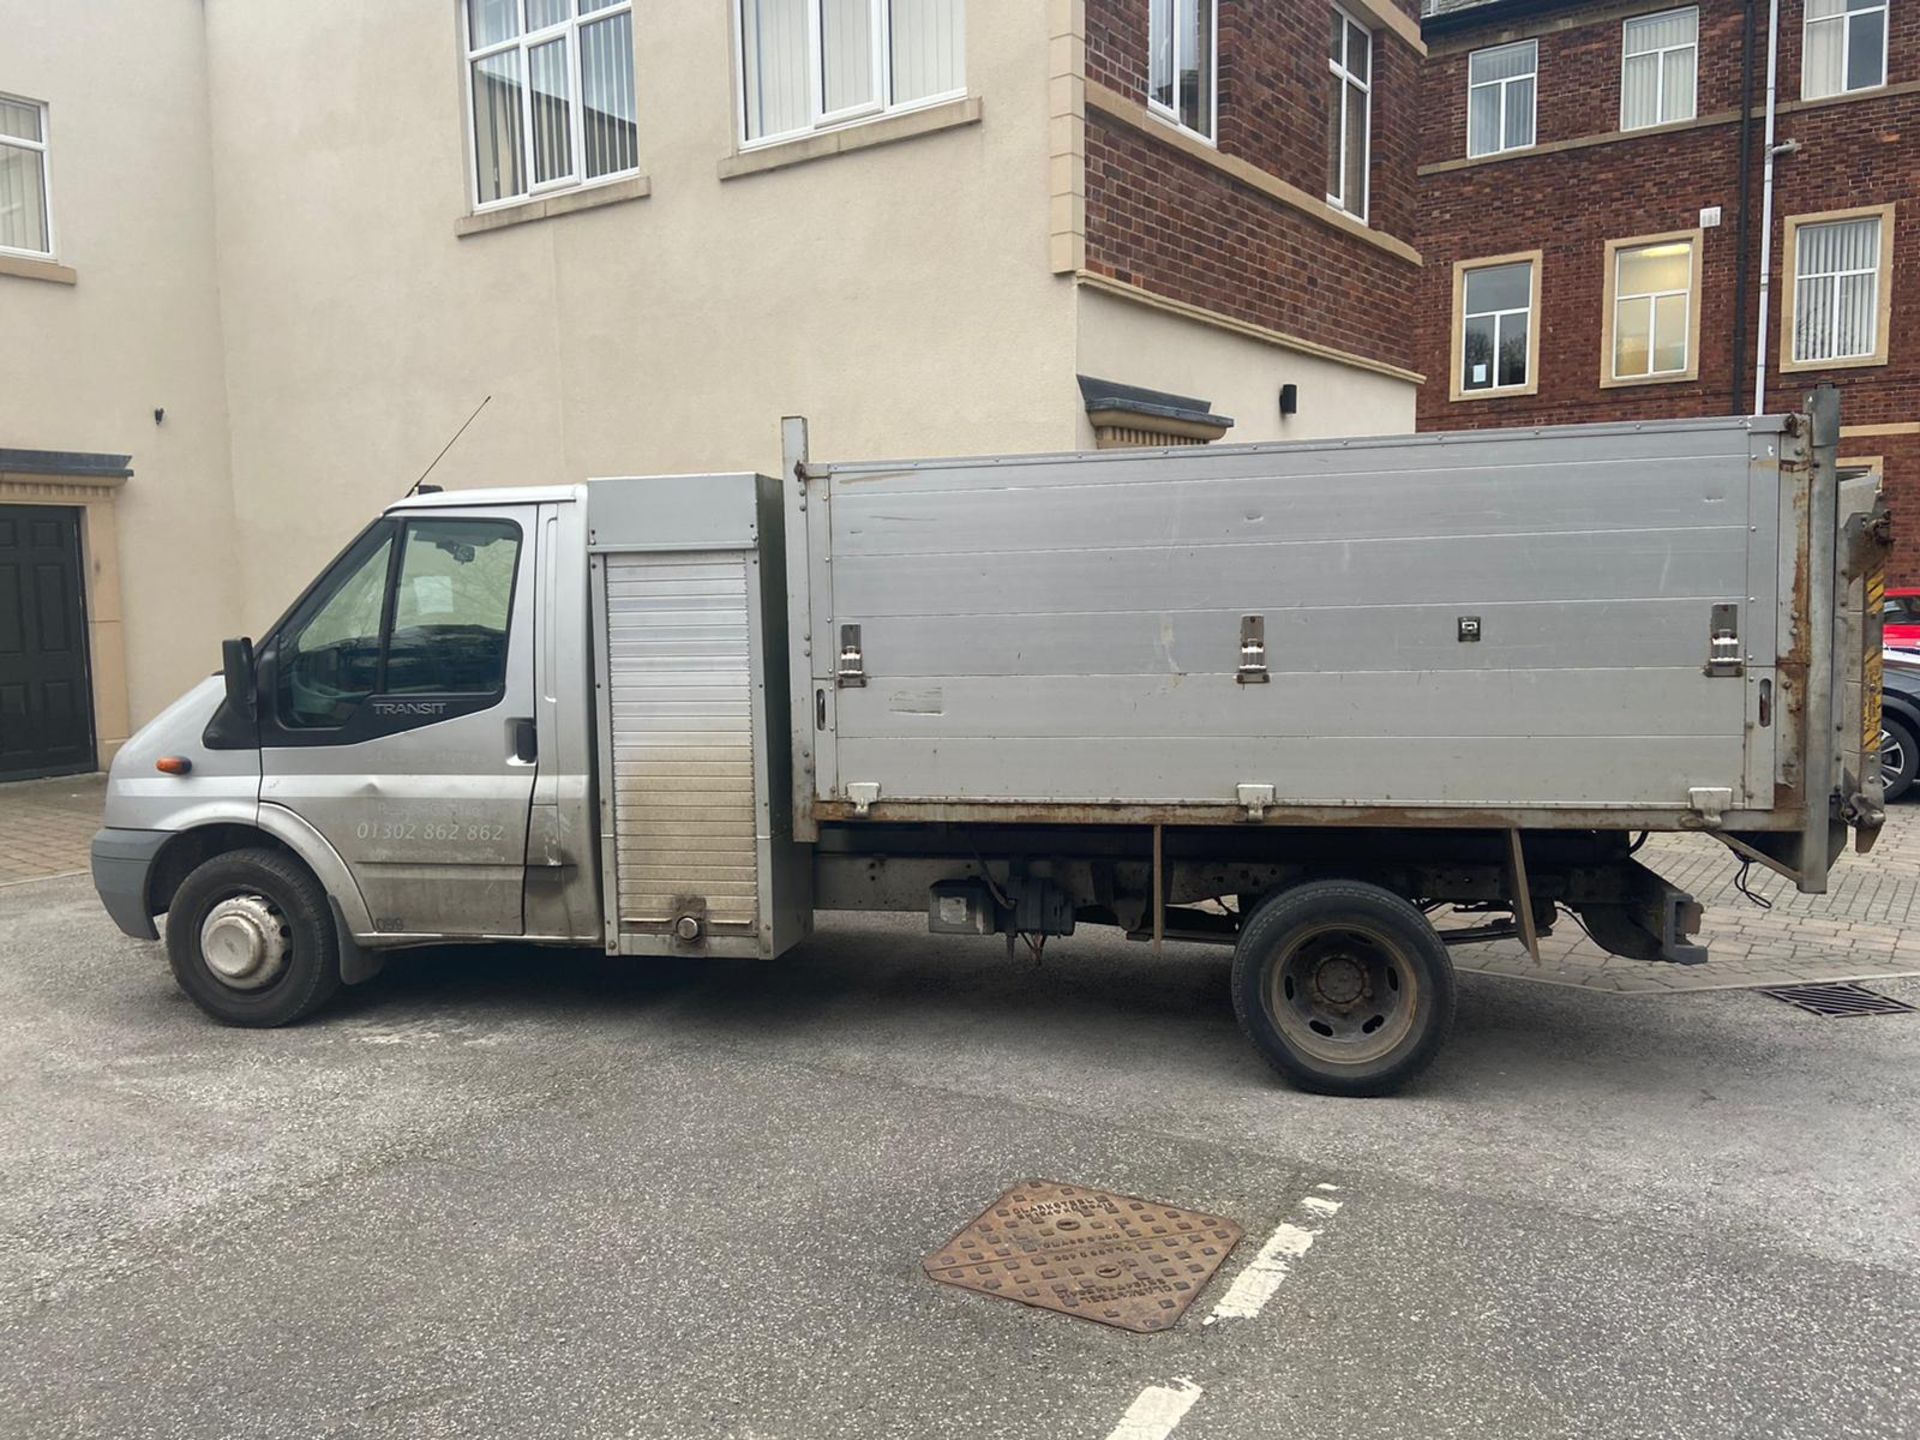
(236, 663)
(235, 724)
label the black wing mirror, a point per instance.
(235, 724)
(236, 662)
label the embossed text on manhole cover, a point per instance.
(1117, 1259)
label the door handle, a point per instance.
(526, 741)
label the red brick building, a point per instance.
(1253, 160)
(1591, 183)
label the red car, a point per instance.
(1902, 612)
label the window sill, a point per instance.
(1180, 127)
(1578, 142)
(1685, 377)
(1508, 392)
(51, 270)
(861, 135)
(547, 207)
(1852, 362)
(1717, 117)
(1858, 93)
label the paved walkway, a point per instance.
(1867, 927)
(46, 826)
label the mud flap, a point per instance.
(357, 964)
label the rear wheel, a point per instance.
(1343, 987)
(251, 939)
(1898, 758)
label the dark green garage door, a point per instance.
(46, 703)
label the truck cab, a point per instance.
(402, 756)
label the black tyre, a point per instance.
(1343, 987)
(251, 939)
(1899, 758)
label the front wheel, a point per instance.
(251, 939)
(1343, 987)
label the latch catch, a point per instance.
(852, 673)
(1253, 650)
(1723, 644)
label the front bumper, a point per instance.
(122, 861)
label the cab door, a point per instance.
(397, 716)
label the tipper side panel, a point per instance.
(1516, 620)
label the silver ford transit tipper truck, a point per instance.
(1290, 699)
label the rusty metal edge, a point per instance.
(1023, 812)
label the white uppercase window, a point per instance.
(1839, 272)
(550, 91)
(1500, 97)
(26, 211)
(1659, 64)
(1496, 317)
(1350, 63)
(1846, 47)
(1183, 62)
(1653, 310)
(808, 64)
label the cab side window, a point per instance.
(450, 608)
(419, 608)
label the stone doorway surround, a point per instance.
(89, 483)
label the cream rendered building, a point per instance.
(280, 256)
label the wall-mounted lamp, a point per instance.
(159, 413)
(1289, 399)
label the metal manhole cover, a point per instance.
(1116, 1259)
(1838, 999)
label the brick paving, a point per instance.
(1867, 927)
(46, 826)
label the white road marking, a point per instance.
(1155, 1411)
(1254, 1286)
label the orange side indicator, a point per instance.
(173, 765)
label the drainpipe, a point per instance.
(1766, 209)
(1743, 235)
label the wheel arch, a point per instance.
(299, 836)
(191, 848)
(275, 828)
(1900, 710)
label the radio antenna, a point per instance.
(414, 488)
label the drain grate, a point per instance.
(1838, 999)
(1115, 1259)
